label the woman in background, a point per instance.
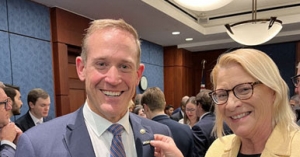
(190, 116)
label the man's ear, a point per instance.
(140, 73)
(31, 105)
(80, 68)
(145, 107)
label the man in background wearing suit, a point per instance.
(154, 103)
(202, 130)
(39, 104)
(180, 113)
(110, 66)
(9, 133)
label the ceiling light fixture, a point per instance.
(175, 33)
(189, 39)
(255, 31)
(202, 5)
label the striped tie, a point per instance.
(116, 148)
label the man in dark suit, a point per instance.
(110, 66)
(9, 133)
(180, 113)
(202, 130)
(39, 104)
(154, 103)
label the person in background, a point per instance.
(202, 130)
(154, 104)
(295, 101)
(190, 116)
(14, 93)
(296, 80)
(137, 99)
(169, 110)
(110, 65)
(139, 110)
(254, 104)
(131, 106)
(9, 132)
(177, 115)
(38, 101)
(295, 104)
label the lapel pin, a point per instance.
(142, 131)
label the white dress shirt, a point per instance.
(36, 120)
(101, 138)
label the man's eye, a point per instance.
(101, 64)
(124, 66)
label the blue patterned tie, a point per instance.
(116, 148)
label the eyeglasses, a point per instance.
(241, 91)
(296, 80)
(7, 103)
(190, 110)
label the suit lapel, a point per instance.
(30, 122)
(77, 138)
(141, 133)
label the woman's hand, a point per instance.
(165, 146)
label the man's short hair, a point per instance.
(10, 91)
(154, 98)
(2, 85)
(206, 102)
(36, 93)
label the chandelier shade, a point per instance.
(202, 5)
(254, 32)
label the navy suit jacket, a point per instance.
(177, 116)
(7, 151)
(25, 122)
(182, 134)
(202, 134)
(67, 136)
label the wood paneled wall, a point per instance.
(183, 72)
(67, 33)
(178, 75)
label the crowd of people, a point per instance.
(247, 113)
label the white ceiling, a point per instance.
(155, 20)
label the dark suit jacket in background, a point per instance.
(26, 122)
(202, 134)
(177, 116)
(182, 134)
(67, 136)
(7, 151)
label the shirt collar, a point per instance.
(99, 124)
(35, 120)
(203, 115)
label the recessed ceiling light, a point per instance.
(188, 39)
(175, 33)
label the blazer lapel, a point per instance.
(141, 133)
(77, 138)
(29, 121)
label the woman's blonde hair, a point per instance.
(260, 66)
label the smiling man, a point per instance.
(110, 66)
